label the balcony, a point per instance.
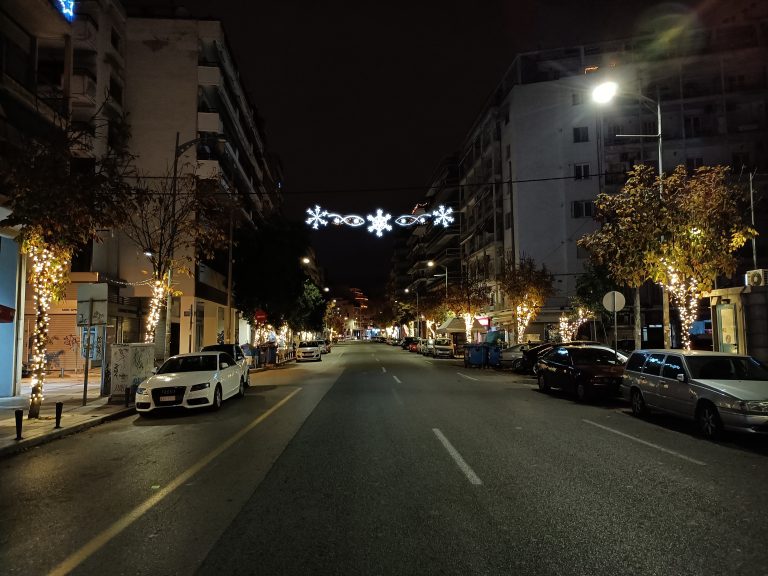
(209, 122)
(86, 33)
(83, 88)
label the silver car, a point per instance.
(719, 391)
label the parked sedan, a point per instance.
(199, 380)
(583, 370)
(532, 355)
(310, 350)
(719, 391)
(443, 348)
(512, 356)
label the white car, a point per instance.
(310, 350)
(200, 380)
(236, 352)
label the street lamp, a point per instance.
(431, 264)
(603, 94)
(418, 318)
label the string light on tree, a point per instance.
(47, 278)
(569, 326)
(155, 305)
(685, 293)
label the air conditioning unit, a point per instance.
(756, 278)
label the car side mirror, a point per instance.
(224, 365)
(681, 377)
(154, 369)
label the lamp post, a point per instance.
(603, 94)
(431, 264)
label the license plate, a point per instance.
(167, 398)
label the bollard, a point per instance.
(19, 418)
(127, 396)
(59, 407)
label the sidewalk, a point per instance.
(75, 417)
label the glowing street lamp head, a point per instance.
(605, 92)
(305, 260)
(430, 263)
(326, 289)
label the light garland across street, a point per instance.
(379, 222)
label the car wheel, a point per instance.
(543, 384)
(516, 364)
(709, 422)
(241, 389)
(216, 398)
(639, 408)
(582, 392)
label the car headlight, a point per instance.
(140, 391)
(758, 406)
(196, 387)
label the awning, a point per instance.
(452, 325)
(477, 327)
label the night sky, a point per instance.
(363, 99)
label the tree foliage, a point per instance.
(308, 310)
(681, 232)
(526, 287)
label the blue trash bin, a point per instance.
(475, 355)
(494, 355)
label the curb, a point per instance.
(26, 443)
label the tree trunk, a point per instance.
(638, 320)
(38, 357)
(665, 316)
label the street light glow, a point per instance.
(605, 92)
(305, 260)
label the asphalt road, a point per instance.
(379, 461)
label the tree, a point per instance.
(467, 299)
(59, 196)
(630, 229)
(268, 275)
(591, 286)
(526, 287)
(307, 312)
(174, 225)
(682, 237)
(703, 228)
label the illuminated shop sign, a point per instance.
(67, 8)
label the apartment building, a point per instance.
(541, 150)
(35, 65)
(187, 103)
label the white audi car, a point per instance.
(200, 380)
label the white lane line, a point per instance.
(384, 370)
(377, 359)
(650, 444)
(97, 542)
(467, 377)
(397, 397)
(396, 379)
(468, 472)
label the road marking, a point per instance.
(468, 472)
(397, 397)
(467, 377)
(396, 379)
(384, 370)
(650, 444)
(377, 359)
(93, 546)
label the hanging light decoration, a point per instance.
(379, 222)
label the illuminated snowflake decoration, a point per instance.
(379, 223)
(67, 8)
(442, 216)
(317, 217)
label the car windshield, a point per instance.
(443, 342)
(594, 356)
(726, 368)
(197, 363)
(310, 344)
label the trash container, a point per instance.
(494, 355)
(475, 355)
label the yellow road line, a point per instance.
(78, 557)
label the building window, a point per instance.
(115, 90)
(577, 98)
(508, 151)
(692, 126)
(115, 40)
(580, 171)
(582, 209)
(508, 220)
(581, 134)
(506, 116)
